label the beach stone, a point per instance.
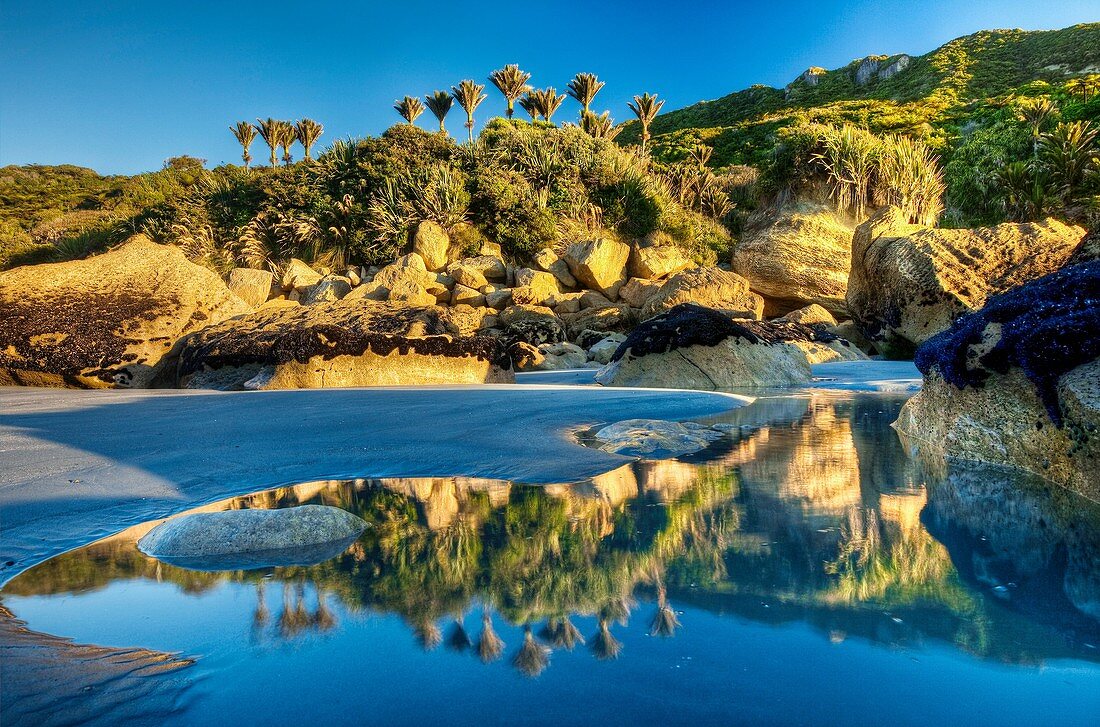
(811, 315)
(466, 320)
(654, 438)
(340, 344)
(534, 287)
(849, 331)
(330, 288)
(655, 263)
(559, 356)
(795, 256)
(410, 293)
(252, 286)
(109, 321)
(1017, 383)
(599, 264)
(608, 318)
(432, 243)
(567, 303)
(531, 324)
(489, 268)
(499, 299)
(593, 299)
(461, 295)
(299, 276)
(548, 261)
(908, 283)
(692, 347)
(602, 351)
(210, 537)
(467, 275)
(707, 287)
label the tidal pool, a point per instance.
(800, 571)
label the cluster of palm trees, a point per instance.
(539, 103)
(277, 135)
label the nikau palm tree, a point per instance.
(287, 137)
(600, 126)
(246, 134)
(530, 105)
(270, 133)
(548, 101)
(646, 107)
(307, 131)
(469, 96)
(439, 103)
(410, 108)
(584, 88)
(512, 83)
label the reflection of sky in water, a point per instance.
(813, 576)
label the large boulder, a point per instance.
(346, 343)
(253, 538)
(908, 283)
(548, 261)
(252, 286)
(708, 287)
(1017, 383)
(795, 256)
(432, 243)
(599, 264)
(531, 324)
(655, 438)
(655, 263)
(108, 321)
(691, 347)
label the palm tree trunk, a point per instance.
(511, 108)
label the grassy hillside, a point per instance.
(932, 97)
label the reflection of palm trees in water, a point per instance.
(323, 618)
(427, 633)
(532, 657)
(664, 621)
(604, 645)
(458, 639)
(294, 618)
(561, 633)
(489, 645)
(261, 615)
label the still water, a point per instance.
(800, 571)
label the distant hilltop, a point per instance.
(901, 91)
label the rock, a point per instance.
(432, 243)
(534, 287)
(599, 264)
(592, 299)
(654, 438)
(526, 357)
(489, 267)
(111, 320)
(608, 318)
(811, 315)
(796, 256)
(353, 276)
(330, 288)
(849, 331)
(409, 293)
(491, 249)
(559, 356)
(1017, 383)
(466, 275)
(461, 295)
(236, 539)
(531, 324)
(254, 287)
(602, 351)
(499, 299)
(339, 344)
(547, 260)
(708, 287)
(655, 263)
(637, 292)
(567, 303)
(466, 320)
(692, 347)
(909, 283)
(299, 276)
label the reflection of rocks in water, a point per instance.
(1029, 544)
(883, 464)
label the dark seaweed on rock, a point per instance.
(689, 324)
(1049, 327)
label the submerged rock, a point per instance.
(346, 343)
(909, 283)
(693, 347)
(236, 539)
(655, 437)
(1017, 383)
(108, 321)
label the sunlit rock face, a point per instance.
(908, 283)
(111, 321)
(345, 343)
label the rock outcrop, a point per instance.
(692, 347)
(108, 321)
(432, 243)
(796, 256)
(1017, 383)
(908, 283)
(708, 287)
(346, 343)
(253, 538)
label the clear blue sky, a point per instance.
(119, 86)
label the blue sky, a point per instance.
(120, 86)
